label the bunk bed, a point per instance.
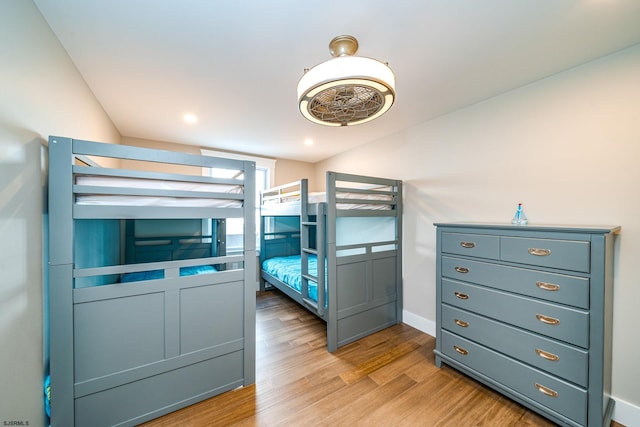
(354, 230)
(148, 310)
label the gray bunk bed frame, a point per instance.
(124, 353)
(359, 294)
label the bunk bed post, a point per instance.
(304, 238)
(332, 280)
(321, 276)
(399, 240)
(61, 280)
(250, 273)
(220, 232)
(263, 247)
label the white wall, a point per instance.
(41, 94)
(568, 147)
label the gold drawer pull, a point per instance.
(546, 355)
(460, 350)
(546, 390)
(539, 252)
(461, 295)
(461, 323)
(548, 320)
(548, 286)
(468, 245)
(463, 270)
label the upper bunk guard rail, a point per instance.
(373, 195)
(372, 190)
(281, 197)
(369, 195)
(128, 152)
(368, 181)
(224, 197)
(359, 195)
(130, 173)
(350, 200)
(283, 193)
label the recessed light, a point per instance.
(190, 118)
(308, 141)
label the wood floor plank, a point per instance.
(386, 379)
(365, 368)
(390, 371)
(433, 397)
(293, 401)
(360, 409)
(318, 411)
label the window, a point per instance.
(264, 179)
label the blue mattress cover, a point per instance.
(159, 274)
(289, 271)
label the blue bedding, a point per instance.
(159, 274)
(289, 271)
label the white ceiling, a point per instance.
(235, 63)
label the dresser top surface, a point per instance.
(533, 227)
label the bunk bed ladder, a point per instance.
(306, 225)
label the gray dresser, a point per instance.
(527, 310)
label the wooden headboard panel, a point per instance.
(280, 244)
(159, 248)
(169, 249)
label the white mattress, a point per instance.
(118, 200)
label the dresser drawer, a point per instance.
(560, 288)
(555, 321)
(476, 245)
(564, 254)
(554, 393)
(568, 362)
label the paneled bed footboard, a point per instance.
(143, 349)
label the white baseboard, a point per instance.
(425, 325)
(624, 413)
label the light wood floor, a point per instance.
(386, 379)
